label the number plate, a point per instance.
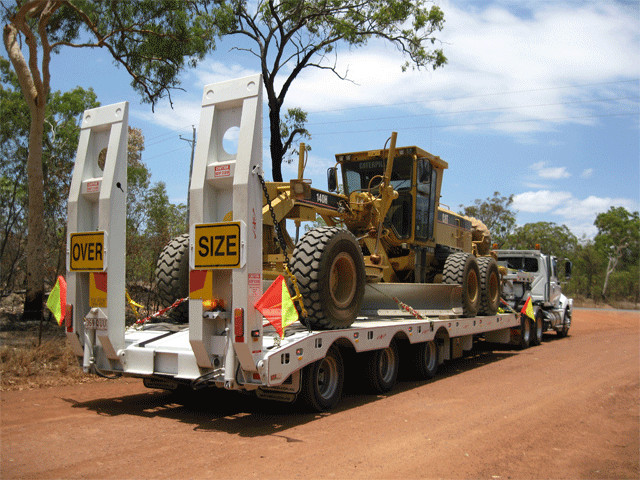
(217, 245)
(87, 252)
(95, 323)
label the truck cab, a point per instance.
(530, 272)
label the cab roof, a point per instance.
(369, 154)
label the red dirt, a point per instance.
(566, 409)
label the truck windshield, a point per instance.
(525, 264)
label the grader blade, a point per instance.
(427, 299)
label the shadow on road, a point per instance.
(247, 416)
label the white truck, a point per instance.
(229, 346)
(533, 273)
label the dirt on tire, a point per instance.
(565, 409)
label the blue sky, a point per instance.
(539, 99)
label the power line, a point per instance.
(478, 110)
(475, 124)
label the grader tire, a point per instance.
(489, 286)
(172, 276)
(329, 269)
(462, 268)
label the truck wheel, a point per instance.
(426, 359)
(329, 268)
(382, 368)
(172, 276)
(536, 337)
(525, 332)
(489, 286)
(462, 268)
(322, 382)
(564, 331)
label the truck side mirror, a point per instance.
(332, 179)
(567, 270)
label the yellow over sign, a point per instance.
(87, 252)
(217, 245)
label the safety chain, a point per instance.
(161, 312)
(283, 246)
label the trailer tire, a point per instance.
(172, 276)
(329, 269)
(382, 368)
(322, 382)
(426, 359)
(489, 286)
(525, 332)
(462, 268)
(536, 337)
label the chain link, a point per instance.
(283, 247)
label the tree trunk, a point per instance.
(276, 147)
(33, 303)
(611, 266)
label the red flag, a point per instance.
(277, 307)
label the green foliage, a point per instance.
(60, 140)
(495, 212)
(154, 40)
(618, 228)
(553, 239)
(291, 35)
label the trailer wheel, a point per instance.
(172, 276)
(462, 268)
(564, 331)
(525, 332)
(382, 368)
(489, 286)
(329, 268)
(426, 359)
(536, 337)
(322, 382)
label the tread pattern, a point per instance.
(454, 272)
(305, 265)
(172, 275)
(487, 265)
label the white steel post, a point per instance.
(225, 190)
(96, 235)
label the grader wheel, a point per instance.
(329, 268)
(462, 268)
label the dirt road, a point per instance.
(566, 409)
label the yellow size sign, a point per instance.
(86, 252)
(217, 245)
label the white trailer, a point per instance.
(231, 348)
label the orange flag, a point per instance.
(527, 308)
(277, 307)
(57, 300)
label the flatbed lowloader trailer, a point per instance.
(228, 345)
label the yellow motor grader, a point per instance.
(385, 226)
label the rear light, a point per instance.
(238, 324)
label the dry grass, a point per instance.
(52, 363)
(24, 364)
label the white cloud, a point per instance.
(587, 173)
(591, 206)
(564, 208)
(553, 173)
(505, 72)
(540, 201)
